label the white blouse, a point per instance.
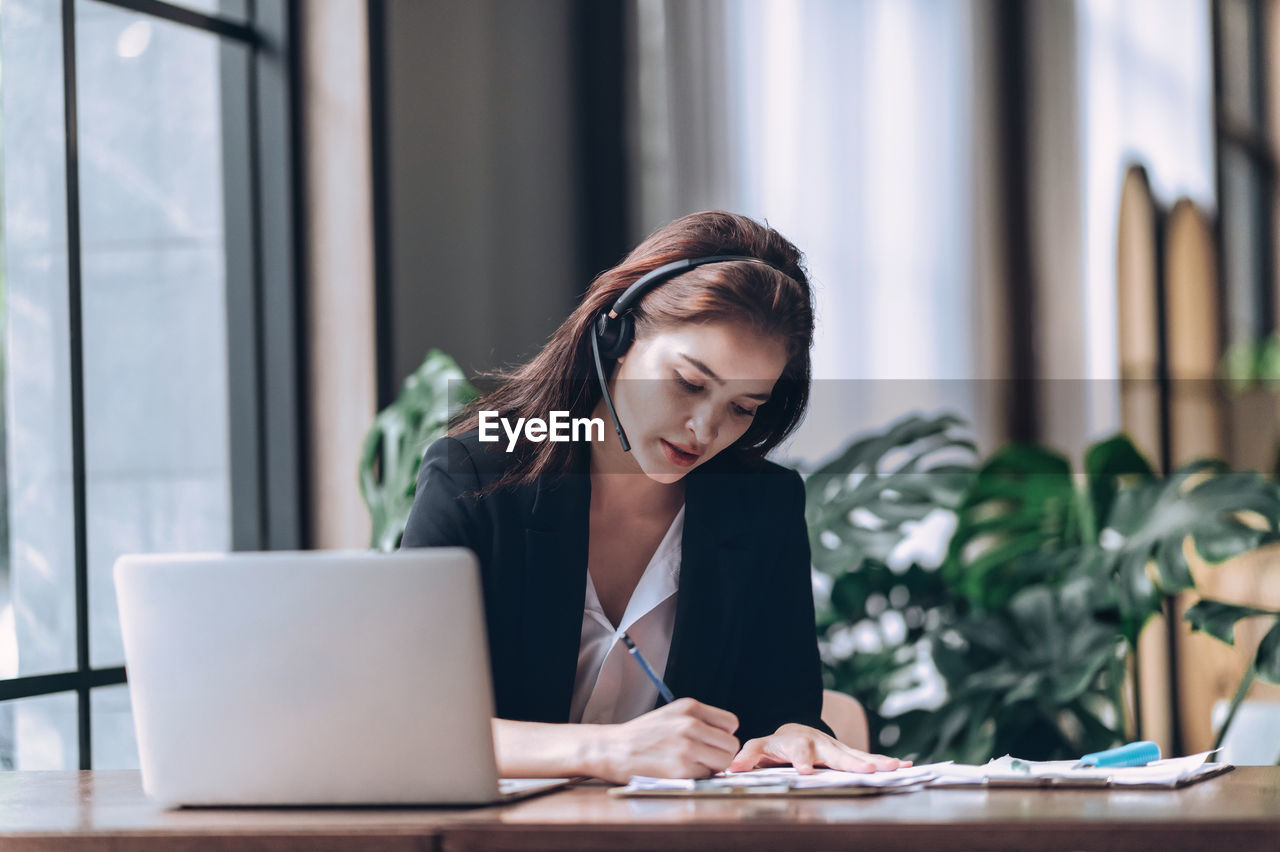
(610, 686)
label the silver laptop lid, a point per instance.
(309, 678)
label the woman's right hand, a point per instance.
(683, 739)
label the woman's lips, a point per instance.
(677, 456)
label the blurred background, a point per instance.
(231, 229)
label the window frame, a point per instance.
(262, 185)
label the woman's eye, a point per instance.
(743, 412)
(687, 385)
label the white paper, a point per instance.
(1008, 770)
(787, 777)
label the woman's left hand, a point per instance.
(804, 748)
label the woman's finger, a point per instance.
(879, 761)
(804, 757)
(748, 757)
(883, 763)
(714, 716)
(712, 736)
(714, 759)
(835, 755)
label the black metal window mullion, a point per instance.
(76, 365)
(188, 17)
(241, 178)
(277, 250)
(380, 168)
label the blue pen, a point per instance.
(1133, 754)
(657, 681)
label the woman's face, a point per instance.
(686, 392)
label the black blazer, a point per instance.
(744, 634)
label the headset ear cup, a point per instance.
(626, 332)
(614, 336)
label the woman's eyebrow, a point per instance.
(763, 397)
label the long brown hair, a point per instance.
(562, 376)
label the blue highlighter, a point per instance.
(1133, 754)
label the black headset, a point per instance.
(615, 329)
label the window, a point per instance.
(1146, 82)
(147, 299)
(867, 107)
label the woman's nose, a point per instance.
(703, 426)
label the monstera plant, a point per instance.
(989, 607)
(392, 451)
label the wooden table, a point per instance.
(107, 810)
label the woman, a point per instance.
(672, 529)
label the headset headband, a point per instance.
(657, 276)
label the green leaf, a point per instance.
(1136, 596)
(1033, 609)
(392, 450)
(849, 595)
(951, 725)
(1106, 464)
(952, 664)
(918, 737)
(1267, 662)
(1027, 687)
(1028, 460)
(977, 584)
(987, 633)
(865, 453)
(1076, 679)
(1219, 619)
(1269, 359)
(1239, 365)
(1132, 510)
(1175, 574)
(979, 738)
(1001, 680)
(1236, 491)
(1225, 539)
(1097, 736)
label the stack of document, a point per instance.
(1009, 771)
(1005, 771)
(783, 780)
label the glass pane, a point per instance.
(40, 732)
(1237, 22)
(111, 720)
(156, 411)
(37, 557)
(1241, 205)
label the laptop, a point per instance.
(316, 678)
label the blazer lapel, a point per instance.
(715, 562)
(555, 594)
